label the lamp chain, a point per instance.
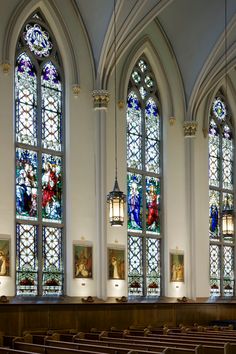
(115, 90)
(226, 45)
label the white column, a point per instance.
(101, 98)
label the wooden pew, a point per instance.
(73, 348)
(151, 347)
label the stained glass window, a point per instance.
(221, 199)
(39, 161)
(143, 182)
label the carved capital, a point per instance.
(190, 129)
(76, 90)
(100, 99)
(6, 67)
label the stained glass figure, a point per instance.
(26, 184)
(51, 188)
(39, 137)
(214, 214)
(152, 205)
(134, 200)
(51, 108)
(27, 264)
(221, 200)
(143, 182)
(52, 266)
(26, 100)
(38, 40)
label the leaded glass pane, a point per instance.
(228, 207)
(228, 271)
(51, 108)
(214, 146)
(215, 269)
(52, 261)
(214, 214)
(134, 200)
(134, 132)
(153, 267)
(51, 188)
(26, 260)
(227, 158)
(26, 184)
(135, 265)
(152, 125)
(37, 40)
(26, 100)
(152, 205)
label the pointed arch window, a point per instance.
(221, 199)
(39, 142)
(143, 182)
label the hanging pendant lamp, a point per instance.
(116, 198)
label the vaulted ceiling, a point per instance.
(193, 27)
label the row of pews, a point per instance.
(135, 340)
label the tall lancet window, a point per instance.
(221, 199)
(39, 132)
(143, 182)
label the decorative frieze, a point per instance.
(100, 99)
(190, 129)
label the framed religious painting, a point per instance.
(4, 256)
(116, 263)
(177, 266)
(83, 260)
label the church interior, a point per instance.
(117, 132)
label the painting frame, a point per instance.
(116, 263)
(82, 260)
(5, 246)
(177, 266)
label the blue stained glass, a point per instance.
(51, 188)
(37, 40)
(134, 201)
(25, 66)
(26, 184)
(50, 76)
(219, 109)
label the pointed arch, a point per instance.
(145, 47)
(52, 15)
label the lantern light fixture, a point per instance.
(116, 199)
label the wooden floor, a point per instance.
(17, 315)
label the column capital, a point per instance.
(100, 99)
(190, 129)
(6, 67)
